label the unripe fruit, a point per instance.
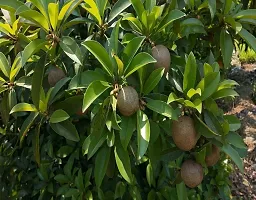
(184, 133)
(55, 75)
(192, 173)
(162, 56)
(127, 101)
(214, 157)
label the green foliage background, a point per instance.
(71, 142)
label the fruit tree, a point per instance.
(119, 99)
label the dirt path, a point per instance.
(244, 185)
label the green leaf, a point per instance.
(128, 126)
(61, 178)
(203, 129)
(92, 8)
(33, 16)
(70, 47)
(101, 164)
(114, 42)
(59, 116)
(101, 4)
(209, 84)
(138, 7)
(143, 136)
(150, 175)
(233, 154)
(66, 129)
(181, 191)
(118, 8)
(162, 108)
(11, 6)
(249, 38)
(234, 123)
(236, 140)
(26, 125)
(227, 6)
(64, 151)
(36, 144)
(190, 73)
(56, 89)
(32, 48)
(226, 46)
(212, 7)
(139, 61)
(23, 107)
(53, 11)
(101, 54)
(79, 20)
(16, 66)
(226, 92)
(248, 14)
(94, 90)
(153, 80)
(227, 84)
(123, 162)
(37, 81)
(4, 65)
(169, 18)
(131, 49)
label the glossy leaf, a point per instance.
(153, 80)
(234, 123)
(94, 90)
(70, 47)
(127, 128)
(140, 60)
(101, 54)
(226, 92)
(58, 116)
(66, 129)
(131, 49)
(248, 14)
(233, 154)
(162, 108)
(37, 81)
(101, 164)
(123, 162)
(143, 136)
(4, 65)
(190, 73)
(119, 6)
(226, 46)
(31, 49)
(23, 107)
(92, 8)
(53, 9)
(236, 140)
(249, 38)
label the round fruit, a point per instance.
(55, 75)
(214, 157)
(184, 133)
(191, 173)
(162, 56)
(127, 101)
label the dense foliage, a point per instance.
(90, 110)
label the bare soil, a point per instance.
(244, 184)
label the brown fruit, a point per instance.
(55, 75)
(214, 157)
(191, 173)
(162, 56)
(127, 101)
(184, 133)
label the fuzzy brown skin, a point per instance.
(192, 173)
(214, 157)
(184, 134)
(55, 75)
(127, 101)
(162, 56)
